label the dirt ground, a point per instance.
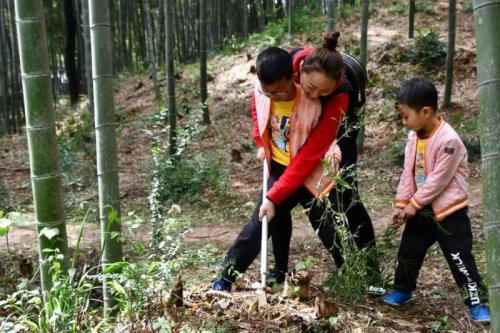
(229, 101)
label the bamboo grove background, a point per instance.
(131, 23)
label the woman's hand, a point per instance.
(267, 208)
(261, 154)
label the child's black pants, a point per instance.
(454, 236)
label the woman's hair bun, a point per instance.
(331, 40)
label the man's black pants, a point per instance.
(247, 245)
(454, 236)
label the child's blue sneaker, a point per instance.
(480, 313)
(221, 285)
(398, 298)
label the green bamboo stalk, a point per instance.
(169, 44)
(152, 58)
(363, 58)
(364, 32)
(487, 26)
(105, 130)
(41, 132)
(411, 18)
(291, 13)
(9, 42)
(122, 39)
(17, 76)
(4, 107)
(88, 55)
(331, 15)
(450, 54)
(203, 61)
(245, 18)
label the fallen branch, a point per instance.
(220, 293)
(16, 169)
(209, 236)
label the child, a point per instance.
(283, 119)
(433, 190)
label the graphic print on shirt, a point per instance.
(280, 132)
(420, 163)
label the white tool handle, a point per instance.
(263, 246)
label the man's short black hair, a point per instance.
(417, 94)
(274, 64)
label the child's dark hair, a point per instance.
(418, 93)
(274, 64)
(326, 59)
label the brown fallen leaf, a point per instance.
(139, 86)
(326, 307)
(236, 156)
(253, 308)
(222, 304)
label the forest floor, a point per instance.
(216, 219)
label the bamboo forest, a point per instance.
(249, 166)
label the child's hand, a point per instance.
(410, 211)
(261, 154)
(397, 218)
(268, 208)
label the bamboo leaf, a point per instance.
(300, 266)
(4, 227)
(49, 232)
(118, 288)
(71, 273)
(115, 267)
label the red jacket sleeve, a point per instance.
(255, 131)
(312, 151)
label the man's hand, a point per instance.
(261, 154)
(268, 208)
(410, 211)
(397, 218)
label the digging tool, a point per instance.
(263, 246)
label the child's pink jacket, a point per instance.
(446, 187)
(304, 117)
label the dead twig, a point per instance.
(209, 236)
(15, 169)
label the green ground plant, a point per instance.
(468, 129)
(184, 177)
(427, 51)
(397, 148)
(142, 287)
(349, 282)
(401, 7)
